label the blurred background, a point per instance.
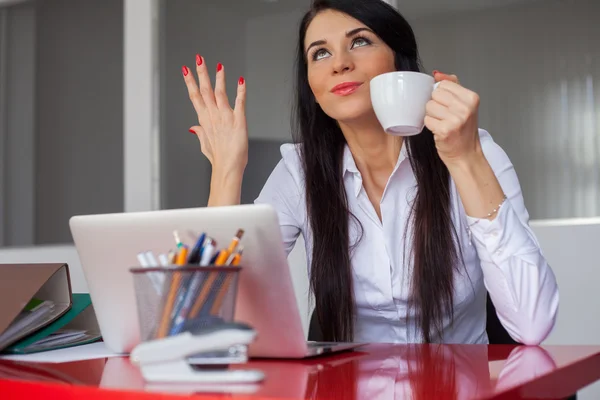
(94, 114)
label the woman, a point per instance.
(403, 235)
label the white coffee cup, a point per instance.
(399, 100)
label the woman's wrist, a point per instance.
(225, 187)
(477, 185)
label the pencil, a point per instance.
(224, 255)
(163, 328)
(208, 286)
(225, 288)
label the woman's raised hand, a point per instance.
(222, 131)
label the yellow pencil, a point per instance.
(223, 292)
(163, 328)
(224, 255)
(220, 261)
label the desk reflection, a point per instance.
(378, 371)
(383, 372)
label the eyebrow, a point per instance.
(348, 34)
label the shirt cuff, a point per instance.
(503, 237)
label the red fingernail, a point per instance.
(241, 81)
(219, 67)
(435, 71)
(198, 60)
(192, 131)
(185, 70)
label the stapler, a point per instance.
(199, 355)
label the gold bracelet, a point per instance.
(495, 210)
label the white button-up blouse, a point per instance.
(501, 256)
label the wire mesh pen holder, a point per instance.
(176, 299)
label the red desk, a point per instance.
(376, 371)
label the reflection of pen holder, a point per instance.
(177, 299)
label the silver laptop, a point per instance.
(108, 245)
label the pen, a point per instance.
(154, 279)
(164, 261)
(194, 286)
(143, 260)
(196, 253)
(177, 239)
(151, 259)
(208, 252)
(208, 286)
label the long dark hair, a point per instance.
(434, 254)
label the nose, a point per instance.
(342, 63)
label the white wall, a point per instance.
(49, 254)
(536, 67)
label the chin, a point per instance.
(350, 110)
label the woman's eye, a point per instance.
(359, 42)
(319, 54)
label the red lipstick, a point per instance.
(345, 88)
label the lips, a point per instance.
(345, 88)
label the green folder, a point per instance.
(80, 317)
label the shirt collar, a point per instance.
(350, 166)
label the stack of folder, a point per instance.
(39, 312)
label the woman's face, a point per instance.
(343, 55)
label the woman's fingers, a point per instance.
(220, 89)
(437, 110)
(193, 90)
(204, 142)
(239, 111)
(206, 89)
(440, 76)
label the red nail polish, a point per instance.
(198, 60)
(192, 132)
(241, 81)
(219, 67)
(435, 71)
(185, 70)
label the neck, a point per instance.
(372, 148)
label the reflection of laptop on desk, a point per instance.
(108, 244)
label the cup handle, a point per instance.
(435, 86)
